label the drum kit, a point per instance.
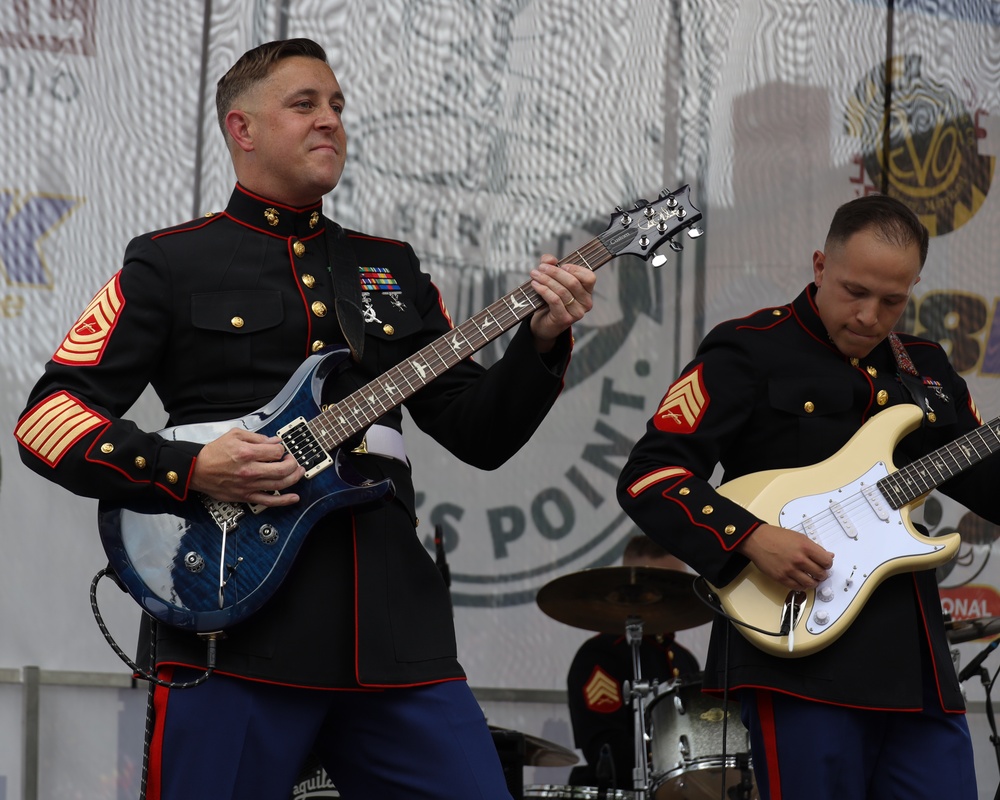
(687, 746)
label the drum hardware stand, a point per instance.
(744, 789)
(636, 694)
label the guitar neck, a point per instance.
(359, 410)
(927, 473)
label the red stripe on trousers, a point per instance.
(765, 716)
(154, 775)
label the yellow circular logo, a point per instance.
(932, 153)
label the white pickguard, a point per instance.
(858, 526)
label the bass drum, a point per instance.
(576, 792)
(686, 746)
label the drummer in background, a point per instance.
(599, 711)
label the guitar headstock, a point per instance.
(642, 229)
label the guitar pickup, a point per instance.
(791, 612)
(300, 440)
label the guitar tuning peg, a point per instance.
(695, 232)
(619, 210)
(665, 193)
(675, 246)
(657, 260)
(640, 203)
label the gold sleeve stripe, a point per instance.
(444, 309)
(84, 344)
(55, 425)
(653, 478)
(974, 410)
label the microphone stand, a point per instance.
(975, 667)
(994, 739)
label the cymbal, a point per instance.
(967, 630)
(542, 753)
(605, 599)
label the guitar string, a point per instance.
(918, 473)
(358, 408)
(342, 421)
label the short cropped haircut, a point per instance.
(888, 218)
(254, 66)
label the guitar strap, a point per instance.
(910, 378)
(343, 268)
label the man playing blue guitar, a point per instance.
(831, 633)
(353, 655)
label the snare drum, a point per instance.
(576, 792)
(685, 728)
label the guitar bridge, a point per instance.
(224, 514)
(791, 611)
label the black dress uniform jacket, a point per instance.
(217, 314)
(772, 392)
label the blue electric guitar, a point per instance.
(205, 565)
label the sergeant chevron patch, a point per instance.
(84, 344)
(684, 404)
(55, 425)
(602, 693)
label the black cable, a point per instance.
(710, 600)
(725, 710)
(147, 736)
(137, 671)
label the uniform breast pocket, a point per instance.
(231, 326)
(822, 409)
(389, 316)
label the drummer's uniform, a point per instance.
(598, 707)
(770, 391)
(217, 314)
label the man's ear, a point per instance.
(238, 126)
(819, 263)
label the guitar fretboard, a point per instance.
(357, 411)
(926, 473)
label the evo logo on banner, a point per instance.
(934, 165)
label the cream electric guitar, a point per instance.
(859, 510)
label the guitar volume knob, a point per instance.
(825, 593)
(268, 534)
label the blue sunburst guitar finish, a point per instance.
(204, 565)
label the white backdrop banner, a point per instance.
(486, 133)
